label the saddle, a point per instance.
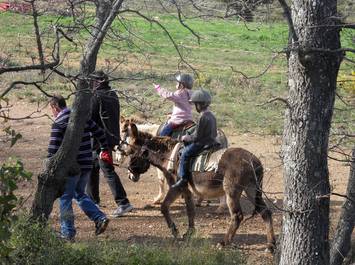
(187, 127)
(207, 160)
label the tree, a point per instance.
(313, 62)
(342, 240)
(51, 181)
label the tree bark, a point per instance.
(63, 164)
(312, 85)
(342, 240)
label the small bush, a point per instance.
(11, 173)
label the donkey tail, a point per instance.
(259, 201)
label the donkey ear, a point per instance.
(134, 130)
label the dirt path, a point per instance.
(147, 224)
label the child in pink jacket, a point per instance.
(182, 110)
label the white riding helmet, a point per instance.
(186, 80)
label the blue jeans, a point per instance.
(167, 130)
(75, 189)
(188, 153)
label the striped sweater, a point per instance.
(84, 157)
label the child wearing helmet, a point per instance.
(182, 110)
(204, 135)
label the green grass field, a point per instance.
(145, 54)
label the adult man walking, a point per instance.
(106, 113)
(75, 184)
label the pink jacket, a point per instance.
(182, 110)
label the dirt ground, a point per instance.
(146, 224)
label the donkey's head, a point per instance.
(138, 163)
(129, 132)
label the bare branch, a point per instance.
(348, 26)
(38, 35)
(262, 73)
(283, 100)
(40, 66)
(335, 194)
(348, 59)
(15, 83)
(165, 30)
(288, 16)
(183, 23)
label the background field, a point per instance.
(144, 54)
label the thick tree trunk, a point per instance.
(342, 240)
(51, 181)
(312, 84)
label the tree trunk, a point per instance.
(51, 182)
(342, 240)
(312, 84)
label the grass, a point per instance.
(42, 246)
(148, 55)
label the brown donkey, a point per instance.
(238, 170)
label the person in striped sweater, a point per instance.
(75, 185)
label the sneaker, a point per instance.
(101, 226)
(122, 209)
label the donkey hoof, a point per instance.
(148, 206)
(157, 201)
(220, 245)
(174, 231)
(189, 233)
(220, 210)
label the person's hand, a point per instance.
(157, 87)
(186, 138)
(106, 157)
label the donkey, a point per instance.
(147, 131)
(238, 170)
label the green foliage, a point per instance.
(13, 135)
(37, 244)
(11, 173)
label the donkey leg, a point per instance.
(199, 201)
(235, 210)
(255, 196)
(264, 211)
(190, 208)
(161, 180)
(170, 197)
(222, 205)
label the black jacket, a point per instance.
(206, 129)
(106, 114)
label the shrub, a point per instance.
(11, 173)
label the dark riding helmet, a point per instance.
(186, 80)
(201, 96)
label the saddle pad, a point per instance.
(207, 161)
